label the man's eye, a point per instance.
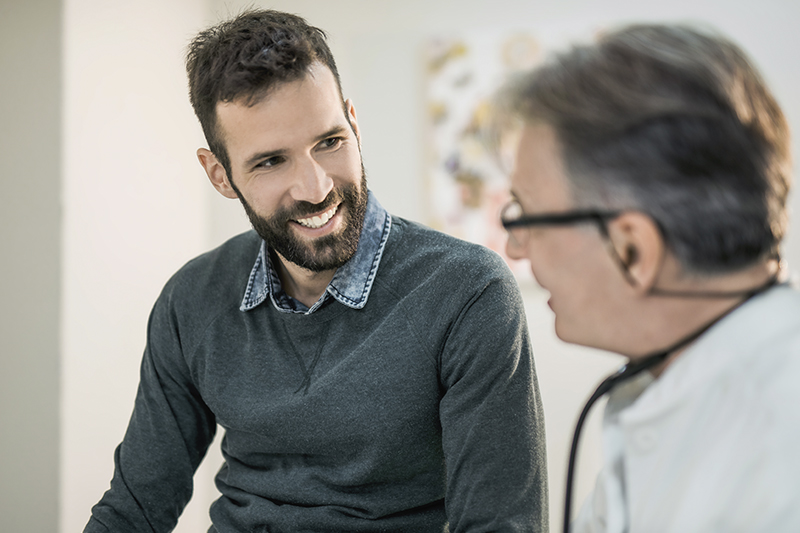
(271, 162)
(333, 142)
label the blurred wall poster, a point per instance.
(467, 187)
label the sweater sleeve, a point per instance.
(167, 437)
(491, 415)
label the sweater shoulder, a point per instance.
(418, 256)
(425, 248)
(216, 278)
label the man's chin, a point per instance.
(318, 266)
(320, 258)
(563, 331)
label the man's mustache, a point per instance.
(303, 209)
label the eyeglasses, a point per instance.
(512, 217)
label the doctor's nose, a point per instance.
(515, 244)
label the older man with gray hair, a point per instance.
(649, 194)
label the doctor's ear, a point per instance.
(640, 247)
(216, 173)
(631, 256)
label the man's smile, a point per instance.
(318, 221)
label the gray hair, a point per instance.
(675, 123)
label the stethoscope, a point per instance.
(631, 369)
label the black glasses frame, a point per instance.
(561, 219)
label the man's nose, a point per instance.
(312, 183)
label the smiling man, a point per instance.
(304, 170)
(650, 198)
(370, 374)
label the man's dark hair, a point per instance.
(244, 58)
(678, 124)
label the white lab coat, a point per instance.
(713, 444)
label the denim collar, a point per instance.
(352, 282)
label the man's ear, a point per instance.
(640, 247)
(216, 173)
(351, 116)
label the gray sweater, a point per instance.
(420, 409)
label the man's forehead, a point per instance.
(539, 175)
(306, 107)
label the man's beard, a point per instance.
(324, 253)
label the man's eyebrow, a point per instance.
(333, 132)
(261, 156)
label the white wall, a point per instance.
(137, 205)
(135, 209)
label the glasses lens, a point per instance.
(511, 212)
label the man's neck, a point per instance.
(681, 316)
(300, 283)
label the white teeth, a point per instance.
(318, 221)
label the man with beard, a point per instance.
(370, 374)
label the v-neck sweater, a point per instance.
(419, 410)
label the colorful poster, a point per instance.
(468, 185)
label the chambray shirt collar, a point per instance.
(352, 282)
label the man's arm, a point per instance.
(492, 420)
(167, 437)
